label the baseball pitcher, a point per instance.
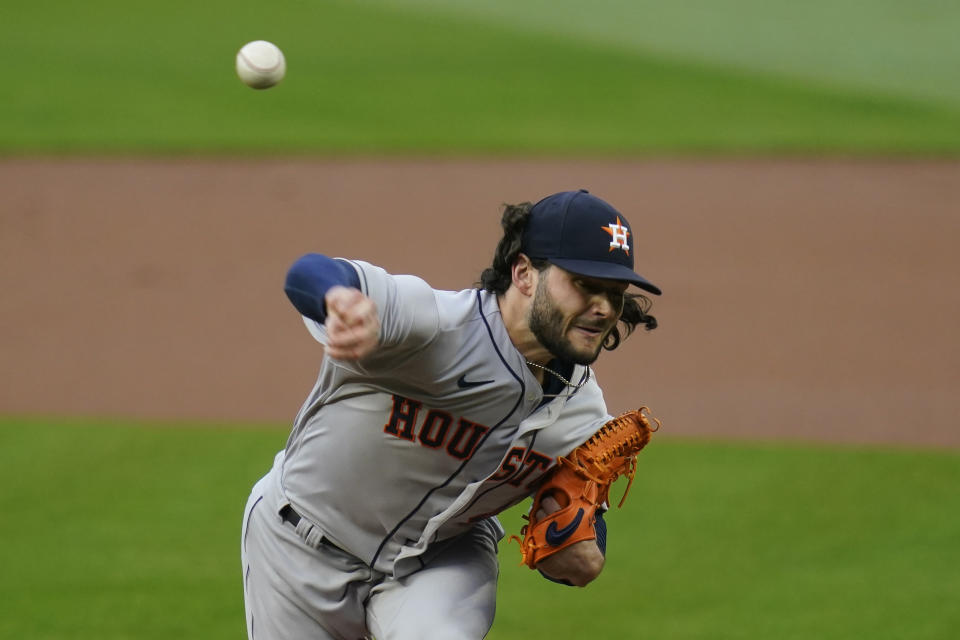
(433, 411)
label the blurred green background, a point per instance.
(114, 530)
(456, 77)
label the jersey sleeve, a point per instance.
(406, 306)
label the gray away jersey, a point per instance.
(437, 429)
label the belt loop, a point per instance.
(310, 534)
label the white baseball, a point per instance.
(260, 64)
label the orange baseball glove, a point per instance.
(581, 483)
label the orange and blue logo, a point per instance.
(619, 235)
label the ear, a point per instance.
(524, 275)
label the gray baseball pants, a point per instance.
(293, 590)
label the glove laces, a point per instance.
(614, 448)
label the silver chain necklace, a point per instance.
(561, 378)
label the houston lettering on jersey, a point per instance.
(518, 465)
(526, 464)
(434, 428)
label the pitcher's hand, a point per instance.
(353, 328)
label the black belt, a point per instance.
(289, 515)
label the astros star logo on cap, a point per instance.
(619, 235)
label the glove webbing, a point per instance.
(622, 438)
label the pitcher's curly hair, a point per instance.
(498, 277)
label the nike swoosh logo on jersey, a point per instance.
(556, 536)
(463, 383)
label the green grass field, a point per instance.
(885, 46)
(397, 77)
(114, 531)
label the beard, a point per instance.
(547, 325)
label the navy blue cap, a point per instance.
(581, 233)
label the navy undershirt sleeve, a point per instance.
(309, 279)
(600, 526)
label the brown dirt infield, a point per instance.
(809, 300)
